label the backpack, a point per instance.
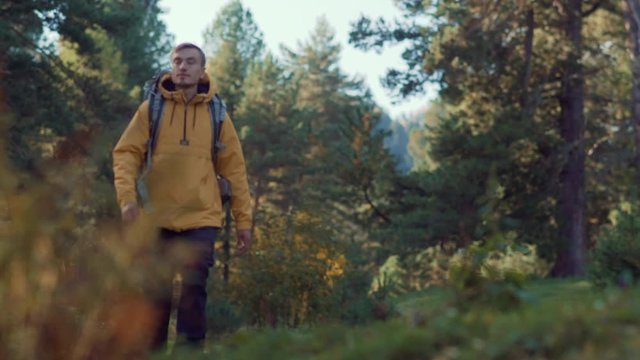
(217, 111)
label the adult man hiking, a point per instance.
(181, 183)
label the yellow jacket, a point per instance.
(182, 185)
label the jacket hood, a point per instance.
(206, 90)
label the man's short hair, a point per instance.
(187, 45)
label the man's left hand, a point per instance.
(244, 242)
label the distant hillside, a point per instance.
(398, 141)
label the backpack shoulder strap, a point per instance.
(155, 109)
(217, 111)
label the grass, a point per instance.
(560, 319)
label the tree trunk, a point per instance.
(256, 204)
(3, 100)
(570, 259)
(632, 14)
(528, 55)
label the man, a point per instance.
(182, 186)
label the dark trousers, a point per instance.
(189, 253)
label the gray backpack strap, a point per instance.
(217, 111)
(155, 110)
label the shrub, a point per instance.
(520, 261)
(575, 323)
(73, 290)
(288, 278)
(355, 300)
(615, 259)
(435, 266)
(222, 316)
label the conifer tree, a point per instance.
(513, 78)
(272, 136)
(233, 42)
(346, 163)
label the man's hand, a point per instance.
(130, 212)
(244, 242)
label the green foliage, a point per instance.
(270, 127)
(317, 167)
(515, 261)
(73, 285)
(144, 40)
(476, 281)
(234, 24)
(71, 275)
(569, 321)
(222, 316)
(298, 275)
(460, 268)
(52, 96)
(351, 301)
(355, 300)
(330, 203)
(429, 267)
(347, 170)
(614, 259)
(313, 144)
(500, 76)
(369, 35)
(234, 42)
(288, 279)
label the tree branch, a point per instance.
(593, 9)
(384, 217)
(597, 144)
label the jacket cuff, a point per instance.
(127, 199)
(243, 225)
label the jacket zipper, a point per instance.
(184, 140)
(195, 110)
(173, 109)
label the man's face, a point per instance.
(186, 68)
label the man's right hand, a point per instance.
(130, 212)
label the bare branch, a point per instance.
(593, 9)
(374, 207)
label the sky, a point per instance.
(289, 22)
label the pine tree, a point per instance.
(62, 97)
(272, 136)
(513, 79)
(347, 165)
(233, 42)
